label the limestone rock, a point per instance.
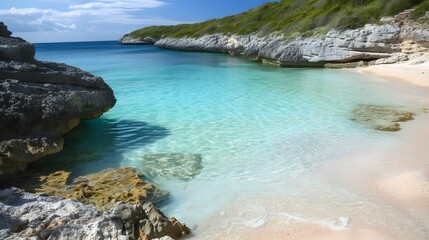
(368, 44)
(27, 150)
(172, 165)
(103, 189)
(40, 102)
(16, 49)
(383, 118)
(128, 40)
(31, 216)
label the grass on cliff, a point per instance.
(293, 17)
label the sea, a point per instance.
(241, 143)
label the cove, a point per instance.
(262, 132)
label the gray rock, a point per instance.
(128, 40)
(17, 153)
(40, 102)
(3, 30)
(16, 49)
(398, 57)
(172, 165)
(368, 43)
(31, 216)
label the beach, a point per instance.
(415, 71)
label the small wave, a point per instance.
(337, 224)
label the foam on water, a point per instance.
(261, 130)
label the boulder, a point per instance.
(31, 216)
(40, 102)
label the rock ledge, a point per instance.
(41, 101)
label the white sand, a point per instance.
(417, 74)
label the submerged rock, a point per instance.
(383, 118)
(172, 165)
(103, 189)
(31, 216)
(40, 102)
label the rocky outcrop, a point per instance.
(180, 166)
(383, 118)
(4, 32)
(40, 102)
(394, 39)
(103, 189)
(128, 40)
(31, 216)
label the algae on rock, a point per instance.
(383, 118)
(103, 189)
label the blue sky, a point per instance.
(91, 20)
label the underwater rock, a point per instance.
(32, 216)
(172, 165)
(103, 189)
(383, 118)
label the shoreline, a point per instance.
(396, 175)
(390, 184)
(416, 74)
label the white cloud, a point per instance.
(35, 19)
(92, 16)
(128, 4)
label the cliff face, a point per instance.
(41, 101)
(392, 41)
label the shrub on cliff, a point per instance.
(293, 17)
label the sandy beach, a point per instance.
(411, 72)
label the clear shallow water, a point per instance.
(260, 129)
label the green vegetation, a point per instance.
(293, 17)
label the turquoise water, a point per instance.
(258, 127)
